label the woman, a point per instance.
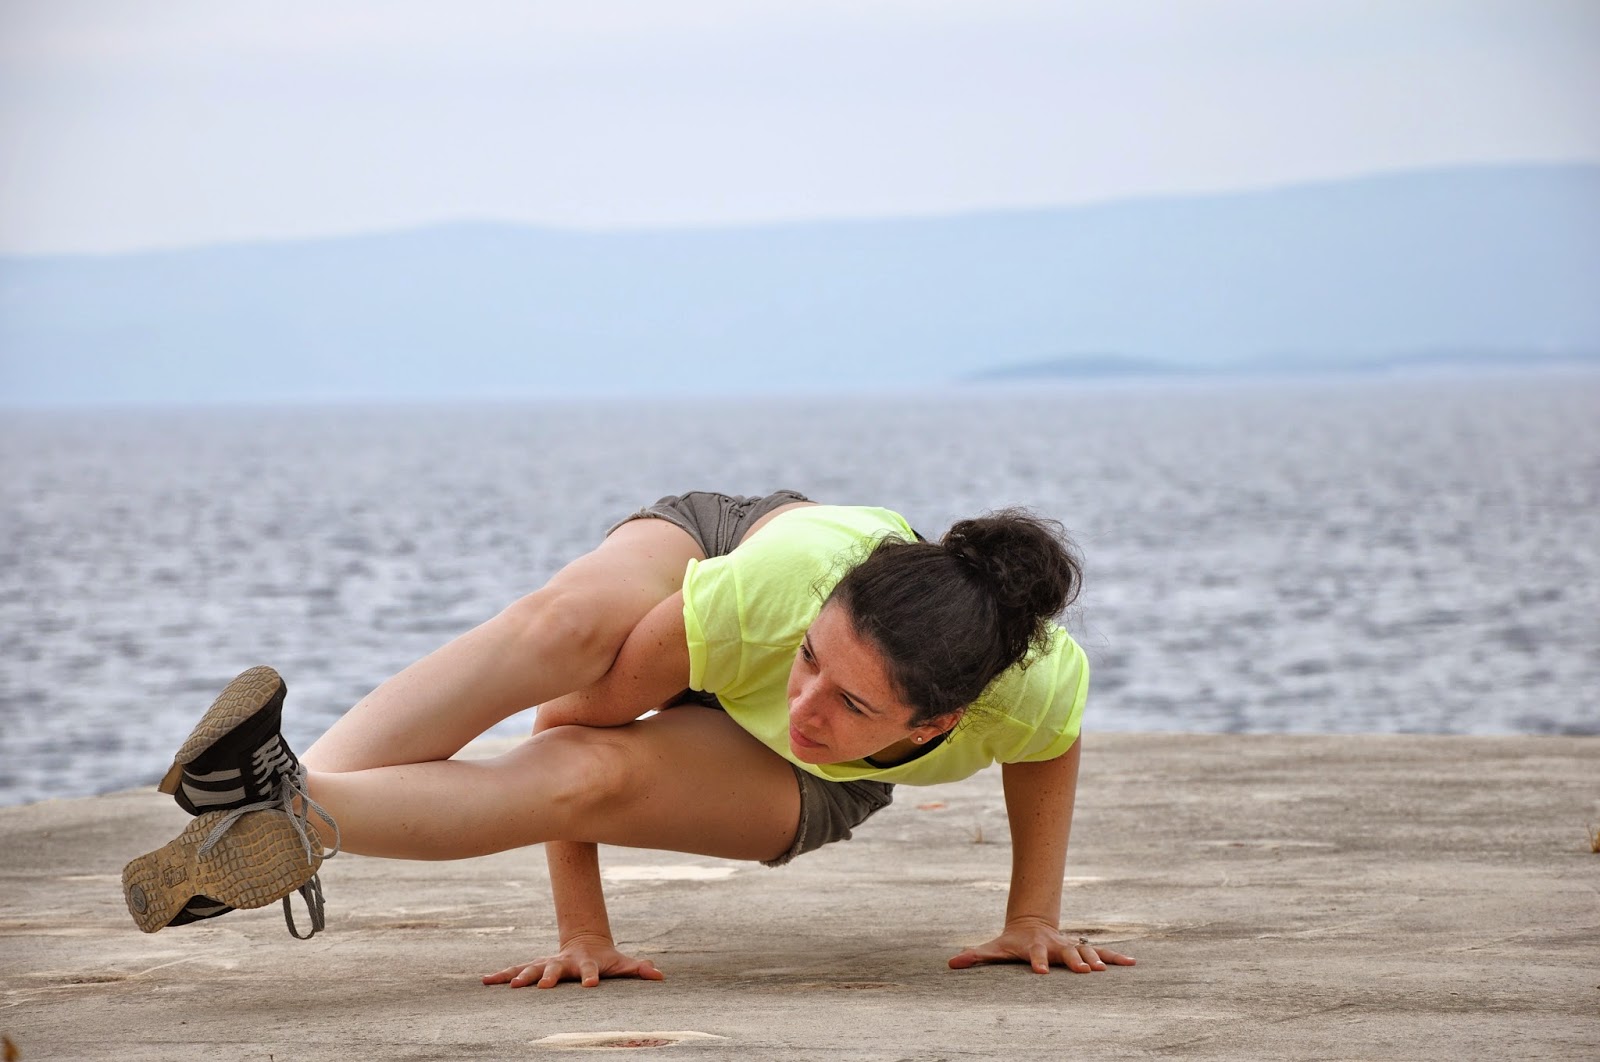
(811, 656)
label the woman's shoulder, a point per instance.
(1033, 709)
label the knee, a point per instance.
(589, 770)
(556, 620)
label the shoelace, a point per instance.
(269, 759)
(293, 784)
(311, 893)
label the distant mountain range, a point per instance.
(1453, 265)
(1113, 366)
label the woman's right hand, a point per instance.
(582, 959)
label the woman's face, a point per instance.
(842, 705)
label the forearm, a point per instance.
(576, 889)
(1039, 799)
(1039, 804)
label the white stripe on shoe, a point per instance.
(209, 798)
(232, 774)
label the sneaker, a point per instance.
(236, 763)
(225, 860)
(236, 755)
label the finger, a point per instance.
(500, 977)
(1115, 957)
(974, 957)
(990, 952)
(1074, 961)
(589, 973)
(1039, 957)
(552, 975)
(647, 972)
(1088, 955)
(527, 975)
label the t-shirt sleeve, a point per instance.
(711, 623)
(1055, 687)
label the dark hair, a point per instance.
(950, 616)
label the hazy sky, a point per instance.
(133, 123)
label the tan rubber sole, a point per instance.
(260, 859)
(242, 698)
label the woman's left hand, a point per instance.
(1041, 945)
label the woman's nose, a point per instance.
(804, 703)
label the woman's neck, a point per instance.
(903, 751)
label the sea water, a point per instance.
(1411, 553)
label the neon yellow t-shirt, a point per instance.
(745, 614)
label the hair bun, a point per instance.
(1026, 563)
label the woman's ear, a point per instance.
(939, 725)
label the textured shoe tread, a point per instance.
(243, 697)
(260, 859)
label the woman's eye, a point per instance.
(805, 652)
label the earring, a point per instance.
(919, 740)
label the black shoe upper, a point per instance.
(244, 766)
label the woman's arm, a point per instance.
(1039, 799)
(651, 668)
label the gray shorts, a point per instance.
(830, 810)
(716, 522)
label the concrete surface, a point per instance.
(1287, 897)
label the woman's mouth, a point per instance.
(800, 741)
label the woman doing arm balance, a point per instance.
(812, 657)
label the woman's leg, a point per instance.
(688, 779)
(553, 641)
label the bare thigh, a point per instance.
(558, 639)
(688, 779)
(698, 782)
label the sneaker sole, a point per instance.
(259, 860)
(244, 696)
